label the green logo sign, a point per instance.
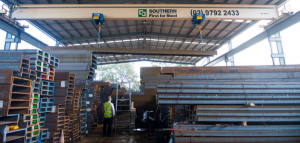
(142, 12)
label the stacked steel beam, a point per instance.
(234, 104)
(92, 108)
(83, 86)
(82, 63)
(64, 94)
(55, 121)
(73, 114)
(38, 67)
(149, 76)
(8, 134)
(103, 91)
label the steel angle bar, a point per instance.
(245, 108)
(237, 133)
(236, 127)
(247, 119)
(228, 96)
(280, 75)
(249, 113)
(230, 86)
(193, 101)
(229, 91)
(235, 139)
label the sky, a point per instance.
(259, 54)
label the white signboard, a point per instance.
(63, 84)
(1, 103)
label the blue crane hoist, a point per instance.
(98, 19)
(198, 18)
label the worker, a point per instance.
(108, 111)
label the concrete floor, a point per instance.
(122, 136)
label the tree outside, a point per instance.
(119, 72)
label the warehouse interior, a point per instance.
(53, 94)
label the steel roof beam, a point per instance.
(139, 34)
(138, 51)
(129, 61)
(260, 37)
(11, 28)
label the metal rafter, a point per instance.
(293, 19)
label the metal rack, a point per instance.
(122, 105)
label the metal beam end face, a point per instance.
(98, 18)
(3, 11)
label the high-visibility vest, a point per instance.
(107, 110)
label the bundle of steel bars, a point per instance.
(234, 104)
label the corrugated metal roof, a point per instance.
(160, 34)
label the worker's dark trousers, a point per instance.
(107, 121)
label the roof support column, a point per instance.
(57, 43)
(229, 59)
(9, 40)
(7, 44)
(208, 59)
(276, 49)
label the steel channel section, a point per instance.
(236, 127)
(234, 139)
